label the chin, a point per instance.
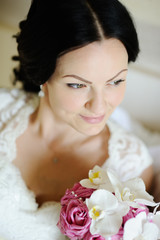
(93, 131)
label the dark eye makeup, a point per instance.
(76, 85)
(116, 83)
(81, 85)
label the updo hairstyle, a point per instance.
(55, 27)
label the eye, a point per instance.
(116, 83)
(76, 85)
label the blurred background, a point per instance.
(142, 98)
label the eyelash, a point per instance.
(80, 85)
(76, 85)
(116, 83)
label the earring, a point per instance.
(41, 93)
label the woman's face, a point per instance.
(88, 84)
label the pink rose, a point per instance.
(89, 236)
(74, 219)
(75, 193)
(130, 214)
(144, 209)
(133, 212)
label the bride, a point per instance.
(76, 55)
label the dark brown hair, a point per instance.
(54, 27)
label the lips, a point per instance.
(93, 120)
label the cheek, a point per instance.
(67, 101)
(116, 96)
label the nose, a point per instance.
(96, 103)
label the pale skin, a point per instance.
(70, 122)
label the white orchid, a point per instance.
(113, 199)
(106, 213)
(132, 192)
(155, 218)
(140, 228)
(97, 179)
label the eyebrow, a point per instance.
(86, 81)
(77, 77)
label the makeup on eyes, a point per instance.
(75, 85)
(81, 85)
(116, 82)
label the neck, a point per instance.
(47, 127)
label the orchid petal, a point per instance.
(136, 184)
(123, 208)
(108, 226)
(116, 183)
(131, 191)
(98, 179)
(140, 228)
(133, 204)
(102, 198)
(156, 219)
(106, 213)
(150, 231)
(133, 227)
(87, 183)
(146, 202)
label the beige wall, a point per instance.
(142, 99)
(147, 11)
(7, 50)
(11, 13)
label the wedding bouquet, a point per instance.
(103, 207)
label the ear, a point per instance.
(45, 87)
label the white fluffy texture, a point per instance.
(150, 138)
(20, 217)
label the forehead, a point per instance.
(106, 57)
